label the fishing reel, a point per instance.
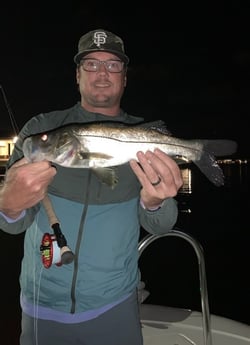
(54, 249)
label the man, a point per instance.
(93, 299)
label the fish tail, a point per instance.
(210, 168)
(207, 162)
(220, 147)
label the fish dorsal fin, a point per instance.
(158, 125)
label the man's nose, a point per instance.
(102, 67)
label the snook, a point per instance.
(102, 146)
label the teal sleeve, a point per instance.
(161, 220)
(21, 224)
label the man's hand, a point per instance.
(25, 184)
(159, 176)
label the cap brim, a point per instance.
(79, 56)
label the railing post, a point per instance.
(144, 243)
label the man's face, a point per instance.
(101, 88)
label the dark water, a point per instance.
(216, 217)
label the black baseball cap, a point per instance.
(100, 40)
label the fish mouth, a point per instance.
(28, 149)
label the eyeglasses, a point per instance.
(93, 65)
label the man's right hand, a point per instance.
(25, 185)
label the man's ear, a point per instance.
(77, 76)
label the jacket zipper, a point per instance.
(78, 245)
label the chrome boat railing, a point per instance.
(206, 321)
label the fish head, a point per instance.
(58, 146)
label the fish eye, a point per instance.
(44, 137)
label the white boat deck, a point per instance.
(172, 326)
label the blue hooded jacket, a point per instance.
(102, 227)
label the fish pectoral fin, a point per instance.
(107, 176)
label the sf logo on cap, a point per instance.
(100, 38)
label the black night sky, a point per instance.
(189, 65)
